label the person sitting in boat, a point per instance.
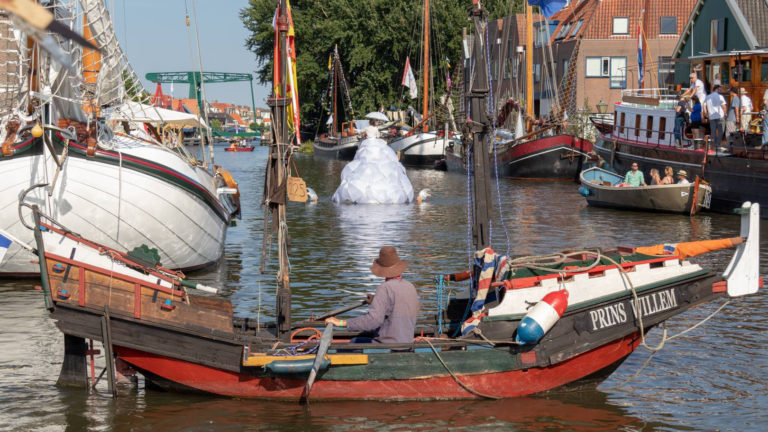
(233, 144)
(668, 175)
(634, 177)
(682, 177)
(655, 179)
(394, 308)
(372, 130)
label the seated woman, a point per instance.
(655, 179)
(669, 177)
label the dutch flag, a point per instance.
(5, 243)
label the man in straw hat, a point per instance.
(682, 177)
(395, 306)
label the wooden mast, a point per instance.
(477, 94)
(335, 96)
(275, 195)
(529, 61)
(425, 68)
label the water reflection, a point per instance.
(715, 369)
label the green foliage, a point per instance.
(216, 124)
(374, 37)
(134, 90)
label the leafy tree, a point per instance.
(374, 37)
(216, 124)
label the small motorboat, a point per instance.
(237, 147)
(602, 188)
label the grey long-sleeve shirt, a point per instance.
(392, 313)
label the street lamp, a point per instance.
(602, 107)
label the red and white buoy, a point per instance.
(542, 317)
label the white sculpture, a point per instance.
(374, 177)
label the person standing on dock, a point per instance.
(394, 308)
(634, 177)
(715, 109)
(732, 121)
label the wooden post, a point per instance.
(106, 341)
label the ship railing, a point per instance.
(655, 97)
(657, 137)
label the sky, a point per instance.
(154, 36)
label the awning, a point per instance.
(137, 112)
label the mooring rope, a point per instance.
(456, 378)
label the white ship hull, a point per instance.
(137, 194)
(421, 148)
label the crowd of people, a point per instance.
(710, 114)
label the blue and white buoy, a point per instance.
(542, 317)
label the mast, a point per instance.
(275, 195)
(425, 68)
(478, 125)
(335, 96)
(529, 60)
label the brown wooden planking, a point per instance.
(121, 297)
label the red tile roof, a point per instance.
(598, 17)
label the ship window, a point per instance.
(649, 127)
(662, 127)
(621, 124)
(637, 125)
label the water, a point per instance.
(708, 379)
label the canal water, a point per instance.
(711, 378)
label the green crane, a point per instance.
(195, 79)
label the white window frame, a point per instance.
(617, 25)
(613, 78)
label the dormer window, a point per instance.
(621, 25)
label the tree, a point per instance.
(216, 124)
(374, 37)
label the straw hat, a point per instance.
(388, 264)
(682, 173)
(742, 91)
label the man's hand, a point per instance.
(333, 320)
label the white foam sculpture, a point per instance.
(375, 176)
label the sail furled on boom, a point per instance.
(117, 82)
(293, 114)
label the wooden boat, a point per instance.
(239, 149)
(341, 140)
(601, 189)
(643, 133)
(424, 144)
(145, 317)
(558, 157)
(214, 352)
(120, 190)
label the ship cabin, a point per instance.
(644, 117)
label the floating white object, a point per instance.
(374, 177)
